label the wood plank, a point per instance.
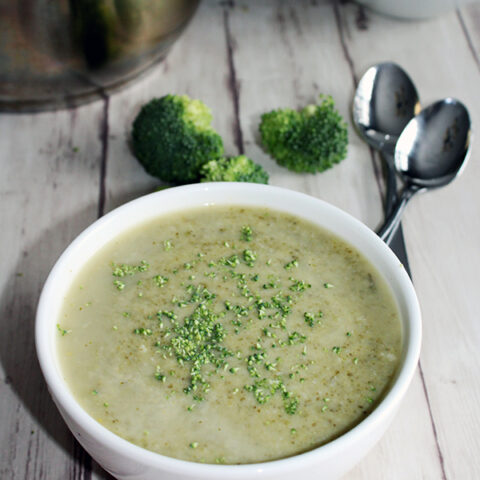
(199, 71)
(302, 55)
(296, 45)
(442, 228)
(48, 194)
(182, 68)
(201, 74)
(469, 18)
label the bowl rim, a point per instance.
(44, 325)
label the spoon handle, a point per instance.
(391, 187)
(393, 220)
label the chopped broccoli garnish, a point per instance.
(233, 169)
(310, 140)
(173, 137)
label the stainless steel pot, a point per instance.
(57, 53)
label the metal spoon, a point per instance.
(431, 151)
(385, 100)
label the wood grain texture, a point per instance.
(312, 36)
(62, 170)
(48, 193)
(296, 43)
(436, 224)
(200, 71)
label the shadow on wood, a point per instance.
(22, 370)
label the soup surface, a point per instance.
(228, 335)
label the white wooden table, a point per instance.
(62, 170)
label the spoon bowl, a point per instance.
(432, 150)
(434, 147)
(385, 100)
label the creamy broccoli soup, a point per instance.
(228, 335)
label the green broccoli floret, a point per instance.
(173, 137)
(233, 169)
(310, 140)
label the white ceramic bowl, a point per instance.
(127, 461)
